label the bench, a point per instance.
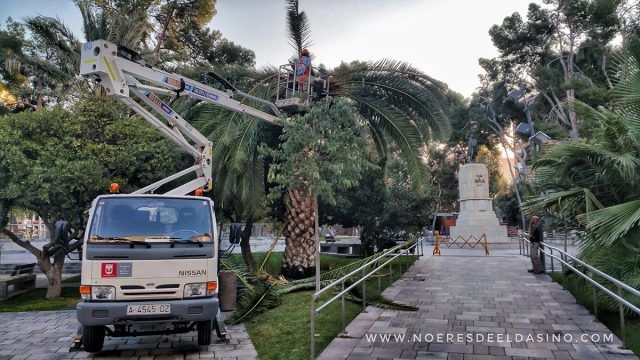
(22, 279)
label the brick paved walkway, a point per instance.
(49, 335)
(477, 296)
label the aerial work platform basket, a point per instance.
(296, 93)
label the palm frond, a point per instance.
(627, 74)
(298, 285)
(238, 266)
(254, 301)
(401, 104)
(298, 28)
(612, 223)
(574, 201)
(401, 129)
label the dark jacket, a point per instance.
(536, 233)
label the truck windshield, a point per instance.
(149, 220)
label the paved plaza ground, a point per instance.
(466, 294)
(461, 293)
(49, 335)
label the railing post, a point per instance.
(312, 315)
(379, 281)
(390, 274)
(565, 250)
(364, 292)
(594, 295)
(621, 309)
(520, 245)
(344, 319)
(551, 256)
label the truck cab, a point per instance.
(149, 267)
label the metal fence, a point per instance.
(568, 261)
(365, 271)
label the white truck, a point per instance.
(150, 261)
(149, 267)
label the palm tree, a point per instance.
(53, 58)
(401, 106)
(595, 183)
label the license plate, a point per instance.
(149, 309)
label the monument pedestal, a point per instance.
(476, 207)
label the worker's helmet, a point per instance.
(305, 52)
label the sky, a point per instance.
(443, 38)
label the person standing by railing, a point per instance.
(536, 238)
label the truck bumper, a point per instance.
(113, 313)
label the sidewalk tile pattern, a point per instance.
(480, 297)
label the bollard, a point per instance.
(228, 290)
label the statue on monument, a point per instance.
(472, 151)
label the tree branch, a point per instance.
(23, 244)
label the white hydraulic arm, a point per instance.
(121, 74)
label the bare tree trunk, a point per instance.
(571, 93)
(53, 272)
(245, 245)
(299, 253)
(517, 187)
(165, 27)
(605, 72)
(573, 117)
(51, 269)
(39, 99)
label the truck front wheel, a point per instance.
(204, 332)
(92, 338)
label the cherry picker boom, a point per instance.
(120, 71)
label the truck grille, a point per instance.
(147, 293)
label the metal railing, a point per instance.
(571, 262)
(392, 253)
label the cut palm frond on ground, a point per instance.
(261, 292)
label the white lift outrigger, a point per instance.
(121, 72)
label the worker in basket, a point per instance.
(302, 67)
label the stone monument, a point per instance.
(476, 207)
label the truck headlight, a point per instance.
(103, 293)
(195, 289)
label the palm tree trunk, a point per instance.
(299, 254)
